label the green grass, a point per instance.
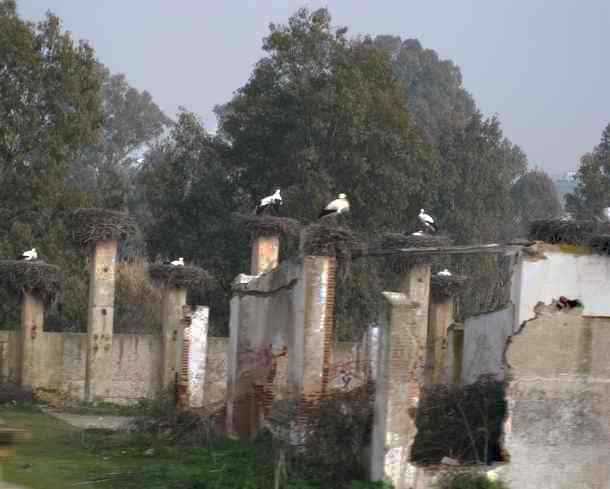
(60, 456)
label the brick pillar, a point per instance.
(455, 350)
(99, 366)
(441, 317)
(172, 302)
(402, 345)
(265, 254)
(32, 323)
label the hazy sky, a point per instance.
(538, 64)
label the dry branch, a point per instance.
(324, 239)
(443, 286)
(35, 277)
(555, 231)
(268, 225)
(88, 226)
(182, 277)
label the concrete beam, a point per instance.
(172, 303)
(100, 321)
(32, 323)
(402, 348)
(265, 254)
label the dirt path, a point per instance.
(83, 421)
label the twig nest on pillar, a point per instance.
(172, 277)
(35, 277)
(89, 226)
(268, 225)
(600, 243)
(443, 286)
(401, 262)
(324, 239)
(556, 231)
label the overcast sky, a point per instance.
(538, 64)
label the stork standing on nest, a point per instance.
(338, 206)
(273, 201)
(427, 221)
(176, 263)
(29, 255)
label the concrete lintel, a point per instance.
(398, 299)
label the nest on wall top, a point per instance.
(91, 225)
(181, 277)
(556, 231)
(600, 243)
(399, 262)
(35, 277)
(326, 239)
(445, 286)
(268, 225)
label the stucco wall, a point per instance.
(484, 344)
(576, 276)
(557, 434)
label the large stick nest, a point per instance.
(555, 231)
(443, 286)
(181, 277)
(399, 262)
(269, 225)
(35, 277)
(600, 243)
(91, 225)
(325, 239)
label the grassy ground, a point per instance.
(60, 456)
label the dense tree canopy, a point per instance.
(534, 197)
(592, 193)
(322, 114)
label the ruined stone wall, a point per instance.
(557, 434)
(484, 343)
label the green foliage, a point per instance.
(592, 193)
(465, 480)
(322, 114)
(534, 197)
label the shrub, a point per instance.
(465, 480)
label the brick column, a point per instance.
(32, 323)
(100, 320)
(399, 378)
(265, 254)
(172, 303)
(441, 317)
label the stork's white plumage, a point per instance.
(273, 200)
(427, 220)
(417, 233)
(29, 255)
(444, 273)
(338, 206)
(178, 263)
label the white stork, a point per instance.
(338, 206)
(427, 221)
(29, 255)
(271, 201)
(176, 263)
(444, 273)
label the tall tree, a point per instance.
(322, 114)
(190, 194)
(477, 162)
(49, 107)
(534, 196)
(131, 122)
(592, 193)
